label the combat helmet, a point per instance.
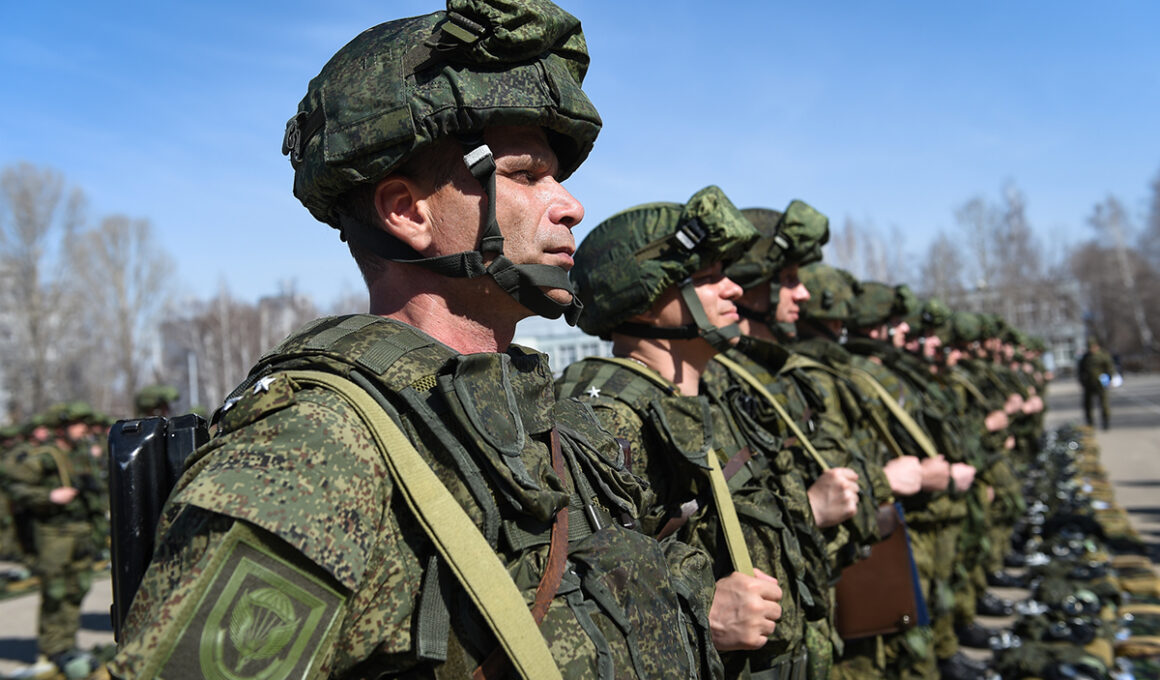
(832, 292)
(793, 237)
(155, 399)
(630, 259)
(874, 305)
(401, 86)
(965, 328)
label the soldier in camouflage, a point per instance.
(1095, 371)
(651, 281)
(436, 145)
(55, 482)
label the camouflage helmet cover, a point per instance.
(402, 85)
(906, 303)
(155, 396)
(793, 237)
(935, 315)
(874, 304)
(965, 327)
(630, 259)
(832, 291)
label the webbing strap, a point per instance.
(969, 387)
(454, 535)
(63, 466)
(753, 382)
(734, 539)
(913, 428)
(865, 380)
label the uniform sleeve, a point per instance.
(280, 555)
(27, 484)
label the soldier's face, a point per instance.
(535, 212)
(790, 296)
(716, 292)
(930, 346)
(76, 431)
(898, 338)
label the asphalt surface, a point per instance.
(1130, 453)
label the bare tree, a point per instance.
(977, 219)
(1016, 251)
(1112, 224)
(36, 215)
(1150, 237)
(123, 276)
(942, 274)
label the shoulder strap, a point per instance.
(63, 465)
(969, 386)
(458, 541)
(753, 382)
(916, 432)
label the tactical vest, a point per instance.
(683, 431)
(483, 423)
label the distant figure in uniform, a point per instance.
(155, 400)
(1096, 369)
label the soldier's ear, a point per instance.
(403, 212)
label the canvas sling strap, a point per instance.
(753, 382)
(718, 485)
(63, 466)
(454, 535)
(970, 387)
(866, 381)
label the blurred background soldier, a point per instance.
(1095, 372)
(155, 400)
(53, 478)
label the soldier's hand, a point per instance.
(936, 473)
(905, 475)
(745, 610)
(996, 420)
(62, 495)
(1014, 404)
(1009, 442)
(1033, 405)
(834, 497)
(964, 476)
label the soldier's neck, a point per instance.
(681, 362)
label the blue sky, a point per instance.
(889, 113)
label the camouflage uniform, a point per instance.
(1094, 363)
(671, 435)
(63, 534)
(288, 548)
(291, 465)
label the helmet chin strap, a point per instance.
(720, 338)
(523, 282)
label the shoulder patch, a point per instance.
(256, 614)
(269, 394)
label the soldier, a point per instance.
(753, 378)
(10, 549)
(55, 481)
(329, 529)
(1095, 372)
(651, 281)
(155, 400)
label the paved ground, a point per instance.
(1131, 454)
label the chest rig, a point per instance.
(486, 423)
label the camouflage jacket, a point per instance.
(32, 471)
(805, 402)
(286, 550)
(670, 437)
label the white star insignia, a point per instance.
(263, 384)
(593, 391)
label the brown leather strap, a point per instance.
(496, 663)
(678, 520)
(738, 461)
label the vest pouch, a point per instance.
(684, 425)
(640, 604)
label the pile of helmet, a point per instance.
(1094, 609)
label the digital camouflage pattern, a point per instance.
(290, 508)
(795, 236)
(669, 437)
(628, 260)
(388, 93)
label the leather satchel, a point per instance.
(881, 595)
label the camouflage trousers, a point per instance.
(935, 550)
(64, 563)
(901, 656)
